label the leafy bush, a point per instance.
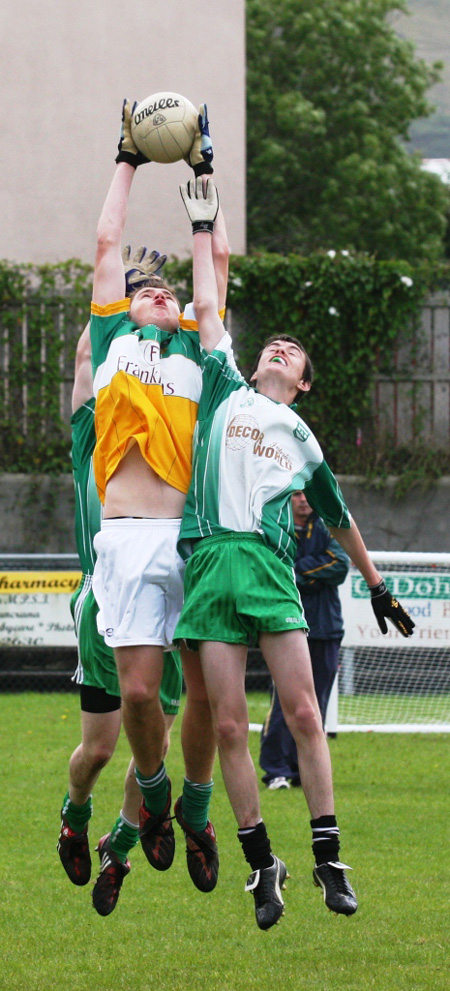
(349, 310)
(42, 312)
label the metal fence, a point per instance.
(412, 400)
(50, 669)
(37, 352)
(37, 643)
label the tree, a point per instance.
(332, 91)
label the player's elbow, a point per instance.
(221, 251)
(109, 235)
(84, 349)
(205, 304)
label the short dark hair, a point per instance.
(154, 282)
(308, 373)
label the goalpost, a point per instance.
(387, 683)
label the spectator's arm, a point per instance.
(328, 567)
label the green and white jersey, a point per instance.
(87, 503)
(250, 455)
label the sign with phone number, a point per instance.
(35, 608)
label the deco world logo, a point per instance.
(243, 430)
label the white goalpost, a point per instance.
(387, 683)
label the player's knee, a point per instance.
(96, 755)
(139, 694)
(230, 732)
(102, 754)
(305, 720)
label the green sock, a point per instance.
(155, 790)
(77, 815)
(195, 804)
(124, 837)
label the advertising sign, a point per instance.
(35, 608)
(425, 596)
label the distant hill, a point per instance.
(428, 27)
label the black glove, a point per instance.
(127, 148)
(385, 606)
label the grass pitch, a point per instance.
(392, 805)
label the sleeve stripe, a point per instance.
(122, 306)
(190, 324)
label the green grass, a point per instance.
(392, 801)
(391, 708)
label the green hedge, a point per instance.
(42, 312)
(349, 310)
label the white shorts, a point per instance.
(138, 581)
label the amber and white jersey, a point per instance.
(250, 455)
(147, 385)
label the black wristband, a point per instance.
(202, 168)
(203, 225)
(131, 159)
(128, 157)
(379, 589)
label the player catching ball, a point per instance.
(147, 383)
(96, 672)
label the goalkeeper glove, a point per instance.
(139, 268)
(127, 148)
(201, 204)
(385, 606)
(201, 153)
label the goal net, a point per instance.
(387, 683)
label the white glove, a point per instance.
(201, 204)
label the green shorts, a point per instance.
(96, 664)
(236, 588)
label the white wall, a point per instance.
(67, 67)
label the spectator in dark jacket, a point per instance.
(320, 566)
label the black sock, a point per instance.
(256, 846)
(325, 835)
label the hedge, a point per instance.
(349, 311)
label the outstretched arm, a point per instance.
(206, 299)
(109, 278)
(200, 159)
(109, 275)
(351, 541)
(202, 204)
(221, 258)
(384, 604)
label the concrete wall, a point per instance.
(416, 522)
(68, 67)
(36, 515)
